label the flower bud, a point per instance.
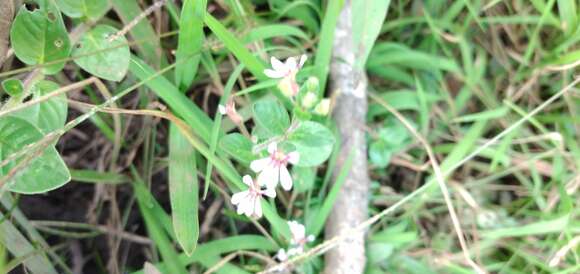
(323, 108)
(288, 87)
(309, 100)
(312, 84)
(230, 111)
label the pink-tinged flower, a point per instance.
(299, 238)
(273, 168)
(297, 242)
(249, 202)
(281, 255)
(287, 73)
(230, 110)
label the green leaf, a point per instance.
(392, 137)
(238, 146)
(190, 42)
(324, 49)
(156, 233)
(13, 87)
(149, 46)
(271, 117)
(569, 15)
(254, 65)
(49, 115)
(183, 190)
(19, 246)
(40, 37)
(98, 59)
(538, 228)
(91, 9)
(379, 252)
(313, 142)
(380, 153)
(222, 246)
(41, 174)
(96, 177)
(368, 17)
(303, 178)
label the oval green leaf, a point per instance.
(183, 190)
(43, 173)
(101, 57)
(238, 146)
(39, 37)
(271, 117)
(49, 115)
(313, 142)
(91, 9)
(13, 87)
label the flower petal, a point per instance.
(258, 207)
(281, 255)
(285, 178)
(269, 176)
(242, 206)
(249, 207)
(291, 63)
(303, 59)
(277, 65)
(270, 192)
(272, 147)
(247, 179)
(293, 157)
(297, 229)
(238, 197)
(274, 73)
(260, 164)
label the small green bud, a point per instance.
(309, 100)
(323, 108)
(312, 84)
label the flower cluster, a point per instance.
(287, 73)
(297, 242)
(271, 171)
(307, 97)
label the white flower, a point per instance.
(297, 242)
(299, 238)
(287, 72)
(249, 201)
(281, 255)
(273, 168)
(222, 109)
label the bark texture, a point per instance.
(351, 207)
(6, 15)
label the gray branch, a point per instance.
(351, 206)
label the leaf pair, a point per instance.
(39, 37)
(40, 169)
(312, 140)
